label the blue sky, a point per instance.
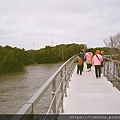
(53, 22)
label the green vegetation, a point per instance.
(14, 59)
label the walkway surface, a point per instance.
(88, 95)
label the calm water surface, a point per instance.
(17, 89)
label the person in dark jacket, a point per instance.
(82, 54)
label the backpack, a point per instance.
(80, 61)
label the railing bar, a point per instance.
(59, 99)
(55, 93)
(39, 94)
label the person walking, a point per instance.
(88, 58)
(79, 64)
(83, 58)
(96, 61)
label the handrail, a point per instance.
(112, 71)
(63, 75)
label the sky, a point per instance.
(34, 24)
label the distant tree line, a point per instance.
(14, 59)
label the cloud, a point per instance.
(57, 21)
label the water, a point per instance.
(17, 89)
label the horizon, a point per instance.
(53, 46)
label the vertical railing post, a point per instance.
(32, 113)
(113, 69)
(108, 69)
(53, 94)
(71, 68)
(113, 81)
(61, 76)
(65, 82)
(104, 64)
(104, 69)
(68, 74)
(118, 69)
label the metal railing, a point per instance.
(112, 71)
(63, 75)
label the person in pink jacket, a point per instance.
(88, 56)
(96, 61)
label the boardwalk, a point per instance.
(85, 94)
(88, 95)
